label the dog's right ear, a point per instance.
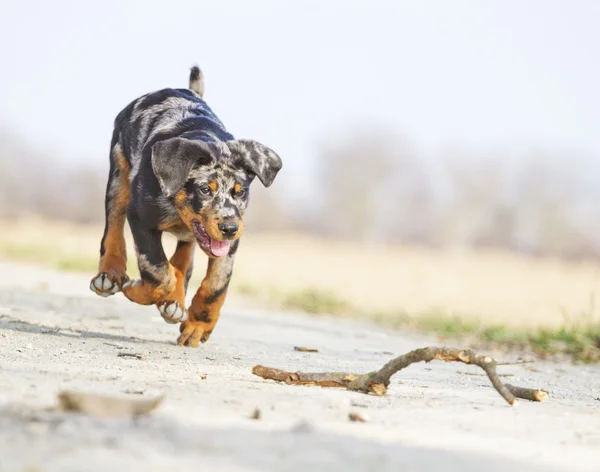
(173, 159)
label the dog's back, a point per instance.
(165, 114)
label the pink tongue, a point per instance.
(219, 248)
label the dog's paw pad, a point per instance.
(172, 312)
(102, 285)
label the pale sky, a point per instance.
(483, 75)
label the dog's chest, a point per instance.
(172, 223)
(180, 231)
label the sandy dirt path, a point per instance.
(55, 334)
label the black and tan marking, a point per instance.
(175, 168)
(205, 309)
(113, 253)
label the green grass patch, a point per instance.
(246, 289)
(26, 253)
(446, 325)
(49, 256)
(315, 301)
(579, 340)
(308, 300)
(76, 264)
(54, 258)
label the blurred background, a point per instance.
(440, 158)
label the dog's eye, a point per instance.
(205, 190)
(240, 193)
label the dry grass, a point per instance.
(500, 295)
(495, 286)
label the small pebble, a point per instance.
(303, 427)
(356, 417)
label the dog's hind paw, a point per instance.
(172, 312)
(104, 285)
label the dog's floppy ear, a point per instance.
(256, 158)
(173, 159)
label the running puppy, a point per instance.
(175, 168)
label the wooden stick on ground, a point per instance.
(378, 382)
(530, 394)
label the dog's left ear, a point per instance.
(256, 158)
(173, 159)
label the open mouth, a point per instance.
(210, 245)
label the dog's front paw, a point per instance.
(194, 332)
(106, 284)
(172, 311)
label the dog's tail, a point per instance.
(197, 81)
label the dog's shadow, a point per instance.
(23, 301)
(13, 324)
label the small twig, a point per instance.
(482, 375)
(377, 382)
(113, 345)
(130, 354)
(530, 394)
(49, 330)
(359, 405)
(306, 349)
(520, 361)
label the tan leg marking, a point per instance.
(145, 293)
(112, 271)
(205, 309)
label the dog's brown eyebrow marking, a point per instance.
(213, 185)
(237, 187)
(180, 198)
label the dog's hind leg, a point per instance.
(113, 256)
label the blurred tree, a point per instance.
(373, 187)
(355, 185)
(266, 211)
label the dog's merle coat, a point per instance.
(174, 167)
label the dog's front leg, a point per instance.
(159, 278)
(205, 309)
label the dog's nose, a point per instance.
(229, 228)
